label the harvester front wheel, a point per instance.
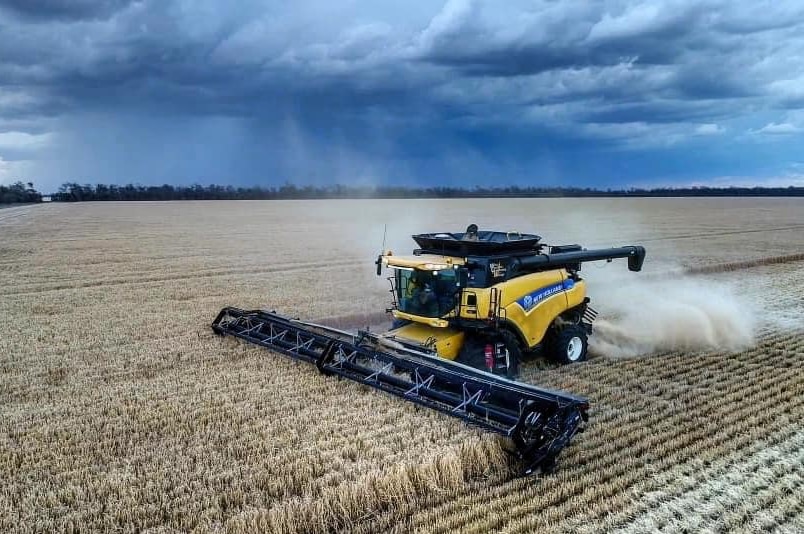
(570, 345)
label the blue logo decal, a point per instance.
(531, 300)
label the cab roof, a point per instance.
(424, 262)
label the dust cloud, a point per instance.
(660, 308)
(644, 316)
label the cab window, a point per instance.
(426, 293)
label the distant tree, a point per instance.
(18, 193)
(74, 192)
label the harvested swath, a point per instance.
(765, 474)
(657, 273)
(748, 264)
(138, 278)
(744, 231)
(14, 213)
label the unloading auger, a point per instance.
(467, 308)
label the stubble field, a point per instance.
(121, 411)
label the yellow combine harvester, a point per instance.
(467, 308)
(490, 299)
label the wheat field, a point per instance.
(121, 411)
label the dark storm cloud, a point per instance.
(390, 90)
(63, 9)
(655, 112)
(560, 35)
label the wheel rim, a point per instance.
(574, 348)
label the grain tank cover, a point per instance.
(486, 243)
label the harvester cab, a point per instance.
(489, 299)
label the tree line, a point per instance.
(73, 192)
(19, 193)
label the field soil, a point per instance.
(121, 411)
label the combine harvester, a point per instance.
(467, 308)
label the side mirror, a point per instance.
(463, 277)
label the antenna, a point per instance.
(379, 258)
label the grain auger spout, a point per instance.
(539, 422)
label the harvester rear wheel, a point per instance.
(569, 345)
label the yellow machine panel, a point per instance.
(534, 312)
(530, 303)
(446, 341)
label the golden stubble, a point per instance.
(120, 411)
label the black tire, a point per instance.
(569, 345)
(473, 352)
